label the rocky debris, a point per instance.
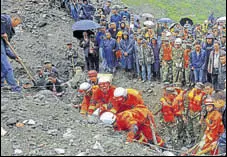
(11, 121)
(18, 151)
(168, 153)
(3, 132)
(98, 146)
(59, 151)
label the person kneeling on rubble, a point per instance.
(214, 129)
(86, 90)
(138, 122)
(54, 85)
(124, 99)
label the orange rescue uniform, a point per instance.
(214, 129)
(142, 118)
(167, 53)
(195, 100)
(99, 99)
(86, 101)
(133, 99)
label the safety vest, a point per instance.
(167, 53)
(167, 110)
(195, 100)
(178, 104)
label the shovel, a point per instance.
(21, 62)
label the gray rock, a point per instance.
(31, 122)
(3, 131)
(59, 151)
(18, 151)
(168, 153)
(11, 121)
(82, 154)
(42, 24)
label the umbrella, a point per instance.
(172, 25)
(165, 20)
(84, 26)
(221, 19)
(79, 34)
(149, 23)
(183, 21)
(147, 15)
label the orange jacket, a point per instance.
(195, 100)
(142, 118)
(214, 128)
(134, 98)
(167, 110)
(86, 101)
(178, 104)
(99, 99)
(167, 53)
(186, 58)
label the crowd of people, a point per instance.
(189, 59)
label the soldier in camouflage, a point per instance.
(178, 61)
(166, 61)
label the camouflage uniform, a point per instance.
(178, 65)
(166, 68)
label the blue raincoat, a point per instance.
(110, 46)
(128, 47)
(116, 18)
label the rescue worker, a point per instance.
(193, 104)
(102, 95)
(214, 128)
(92, 77)
(86, 90)
(137, 122)
(71, 54)
(49, 68)
(166, 61)
(178, 62)
(187, 70)
(54, 85)
(125, 99)
(7, 31)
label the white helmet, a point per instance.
(168, 34)
(178, 41)
(103, 79)
(108, 118)
(85, 86)
(118, 92)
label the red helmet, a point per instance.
(92, 73)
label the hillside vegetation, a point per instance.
(198, 10)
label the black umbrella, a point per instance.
(79, 34)
(184, 20)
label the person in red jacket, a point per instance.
(214, 128)
(125, 99)
(137, 122)
(102, 96)
(86, 90)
